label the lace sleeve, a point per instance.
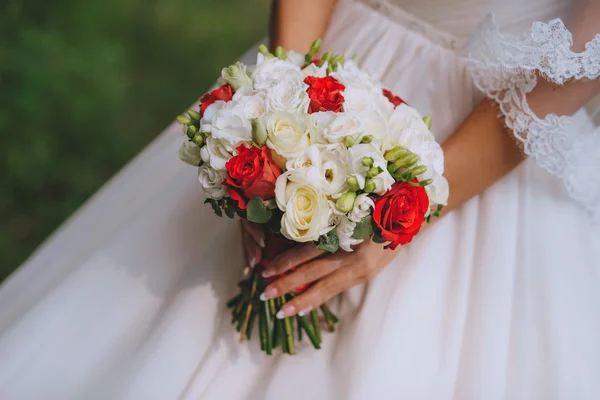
(505, 68)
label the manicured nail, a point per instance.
(286, 311)
(246, 271)
(268, 272)
(270, 293)
(305, 311)
(261, 243)
(252, 262)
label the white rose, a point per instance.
(217, 152)
(252, 104)
(343, 125)
(345, 230)
(314, 70)
(325, 166)
(317, 123)
(287, 134)
(383, 181)
(357, 99)
(374, 125)
(189, 153)
(226, 122)
(212, 182)
(406, 128)
(288, 95)
(362, 207)
(306, 211)
(271, 71)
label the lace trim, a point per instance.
(505, 67)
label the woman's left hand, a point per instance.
(331, 274)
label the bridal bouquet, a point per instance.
(315, 150)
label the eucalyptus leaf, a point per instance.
(377, 238)
(364, 228)
(329, 242)
(257, 212)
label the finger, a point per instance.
(292, 258)
(258, 235)
(333, 284)
(306, 273)
(252, 250)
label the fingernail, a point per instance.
(270, 293)
(246, 271)
(305, 311)
(252, 262)
(268, 272)
(261, 243)
(286, 311)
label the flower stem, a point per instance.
(333, 317)
(299, 327)
(289, 333)
(328, 320)
(250, 325)
(314, 316)
(309, 332)
(262, 326)
(234, 300)
(244, 326)
(268, 330)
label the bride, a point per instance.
(497, 300)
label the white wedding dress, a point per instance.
(500, 299)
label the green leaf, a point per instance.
(230, 212)
(257, 212)
(329, 242)
(377, 238)
(364, 228)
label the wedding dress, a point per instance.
(497, 300)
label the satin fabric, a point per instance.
(497, 300)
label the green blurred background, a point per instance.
(85, 85)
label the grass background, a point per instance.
(85, 85)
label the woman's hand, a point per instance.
(253, 239)
(332, 274)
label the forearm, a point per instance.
(297, 23)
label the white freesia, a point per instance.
(236, 76)
(226, 122)
(288, 95)
(270, 71)
(362, 207)
(335, 215)
(212, 181)
(295, 58)
(343, 125)
(325, 166)
(374, 124)
(438, 191)
(189, 153)
(217, 152)
(287, 134)
(314, 70)
(306, 210)
(383, 181)
(351, 76)
(345, 230)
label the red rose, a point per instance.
(325, 94)
(251, 173)
(223, 93)
(400, 212)
(395, 100)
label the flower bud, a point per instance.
(191, 131)
(199, 139)
(280, 53)
(353, 182)
(374, 172)
(394, 154)
(355, 58)
(427, 120)
(337, 59)
(264, 50)
(391, 168)
(369, 186)
(236, 76)
(325, 57)
(315, 47)
(182, 119)
(346, 202)
(259, 131)
(349, 141)
(367, 139)
(426, 182)
(194, 115)
(407, 161)
(367, 161)
(419, 170)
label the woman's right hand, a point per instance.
(253, 239)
